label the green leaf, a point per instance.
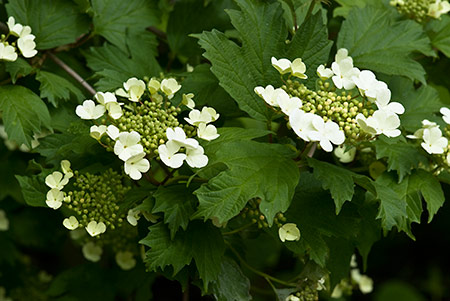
(53, 22)
(241, 69)
(392, 211)
(231, 284)
(249, 164)
(115, 66)
(378, 42)
(401, 156)
(34, 190)
(24, 113)
(177, 204)
(201, 242)
(419, 104)
(18, 68)
(336, 179)
(114, 18)
(311, 43)
(439, 33)
(55, 87)
(348, 5)
(232, 134)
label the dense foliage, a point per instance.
(244, 149)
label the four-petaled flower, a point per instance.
(289, 232)
(94, 228)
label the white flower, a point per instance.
(71, 223)
(269, 94)
(94, 228)
(14, 28)
(97, 132)
(301, 123)
(289, 232)
(282, 65)
(207, 115)
(56, 180)
(287, 103)
(104, 98)
(426, 124)
(337, 291)
(133, 216)
(324, 73)
(345, 155)
(125, 260)
(292, 298)
(179, 136)
(65, 167)
(127, 145)
(433, 142)
(170, 87)
(342, 54)
(382, 122)
(7, 53)
(134, 88)
(136, 165)
(4, 222)
(92, 252)
(113, 132)
(207, 132)
(344, 73)
(364, 282)
(196, 158)
(114, 110)
(298, 68)
(169, 154)
(89, 110)
(188, 101)
(392, 107)
(446, 114)
(438, 8)
(153, 86)
(329, 133)
(27, 46)
(54, 198)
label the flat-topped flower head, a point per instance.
(136, 165)
(57, 180)
(4, 222)
(55, 198)
(289, 232)
(169, 154)
(92, 252)
(94, 228)
(170, 86)
(125, 260)
(27, 46)
(207, 132)
(196, 158)
(97, 132)
(7, 53)
(282, 65)
(71, 223)
(438, 8)
(433, 141)
(89, 110)
(298, 68)
(324, 73)
(127, 145)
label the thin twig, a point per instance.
(159, 33)
(72, 73)
(312, 150)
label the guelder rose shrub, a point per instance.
(210, 142)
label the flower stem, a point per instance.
(238, 229)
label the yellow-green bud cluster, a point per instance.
(308, 291)
(96, 198)
(254, 214)
(413, 9)
(341, 109)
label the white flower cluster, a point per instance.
(308, 126)
(385, 119)
(438, 8)
(93, 252)
(25, 42)
(364, 282)
(433, 140)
